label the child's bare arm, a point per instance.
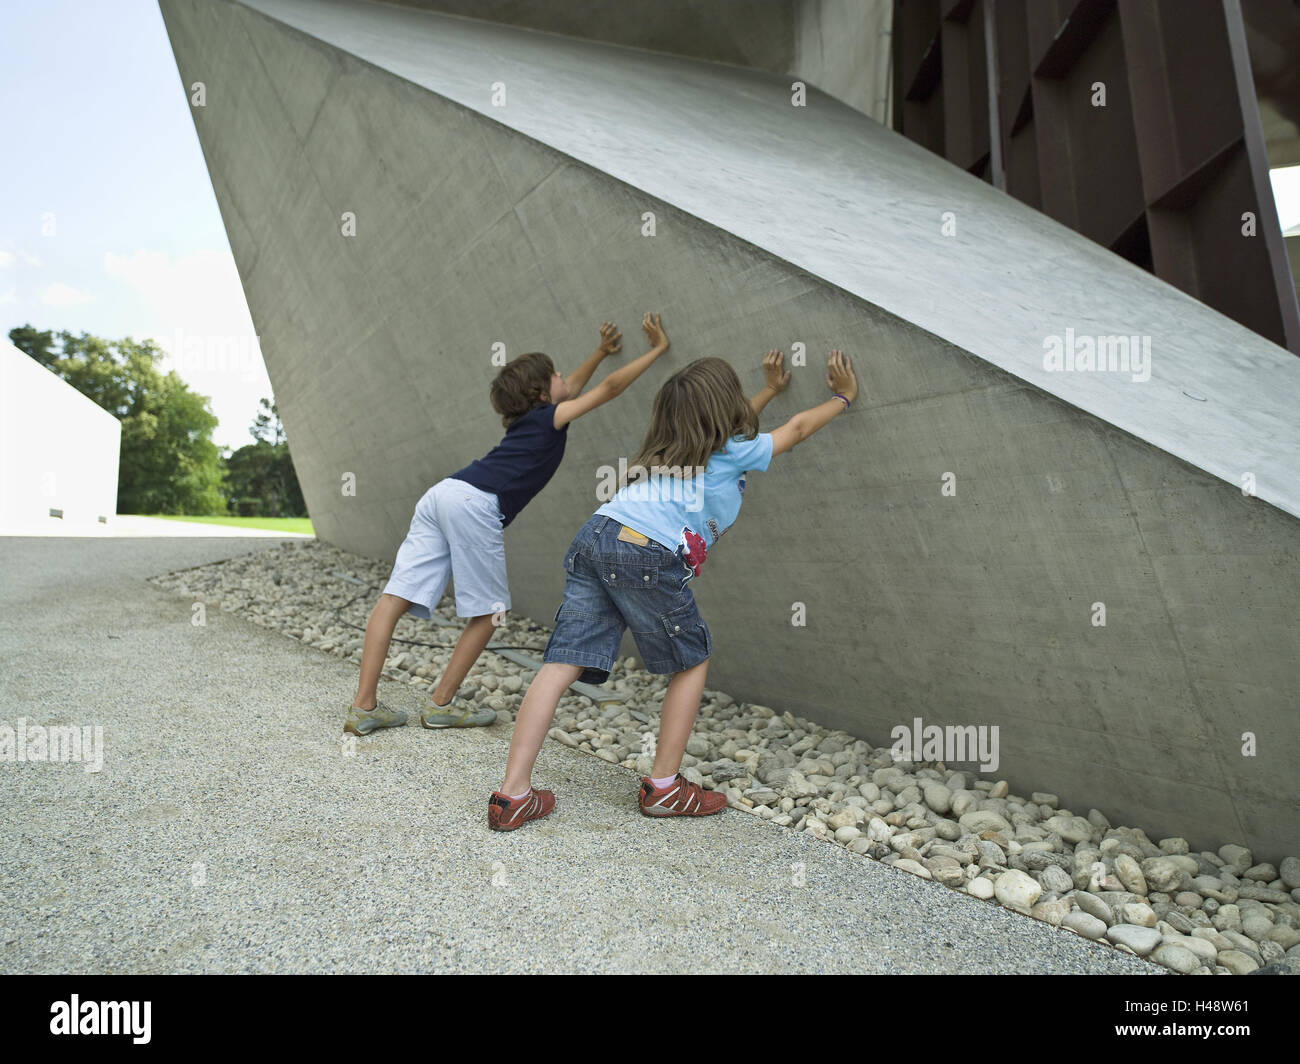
(840, 378)
(775, 381)
(614, 384)
(609, 345)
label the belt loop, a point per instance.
(604, 520)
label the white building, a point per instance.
(58, 452)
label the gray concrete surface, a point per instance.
(966, 609)
(844, 47)
(829, 191)
(841, 46)
(221, 749)
(725, 31)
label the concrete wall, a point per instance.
(58, 449)
(740, 32)
(843, 47)
(1293, 257)
(968, 609)
(825, 189)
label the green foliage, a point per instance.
(267, 423)
(261, 482)
(274, 524)
(169, 463)
(39, 345)
(260, 478)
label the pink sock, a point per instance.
(516, 797)
(661, 784)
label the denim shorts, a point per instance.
(611, 585)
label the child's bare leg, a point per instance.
(379, 635)
(477, 634)
(534, 721)
(677, 718)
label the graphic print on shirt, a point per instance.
(692, 549)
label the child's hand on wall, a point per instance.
(610, 339)
(775, 376)
(654, 331)
(840, 376)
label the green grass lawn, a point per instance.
(275, 524)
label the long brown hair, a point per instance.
(696, 411)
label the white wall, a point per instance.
(58, 450)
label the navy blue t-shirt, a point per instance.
(520, 465)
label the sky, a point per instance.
(109, 224)
(1286, 191)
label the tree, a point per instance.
(267, 423)
(39, 345)
(169, 463)
(260, 478)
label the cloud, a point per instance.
(9, 295)
(8, 258)
(63, 295)
(198, 293)
(194, 309)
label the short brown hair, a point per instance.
(521, 386)
(696, 411)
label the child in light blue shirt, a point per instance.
(629, 569)
(689, 514)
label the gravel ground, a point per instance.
(1214, 912)
(228, 830)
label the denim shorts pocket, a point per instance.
(688, 635)
(619, 574)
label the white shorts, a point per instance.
(456, 533)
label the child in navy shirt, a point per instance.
(457, 527)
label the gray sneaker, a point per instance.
(363, 721)
(458, 713)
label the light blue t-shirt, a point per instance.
(690, 514)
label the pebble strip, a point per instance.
(1193, 913)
